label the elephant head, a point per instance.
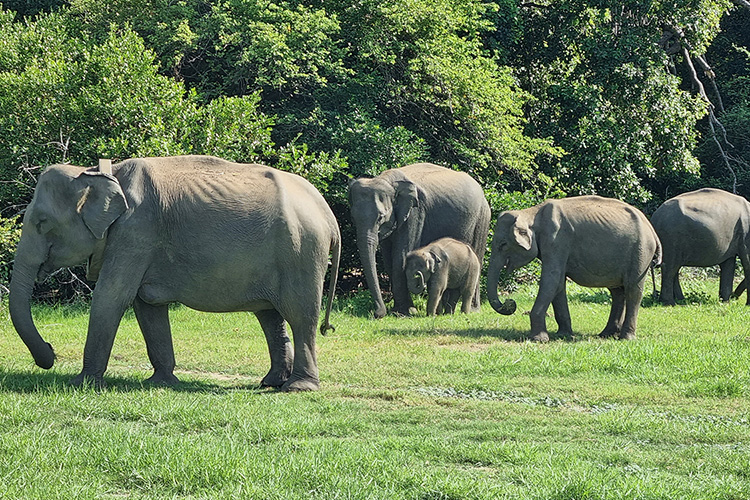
(513, 246)
(65, 223)
(420, 265)
(379, 207)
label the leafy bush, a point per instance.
(10, 233)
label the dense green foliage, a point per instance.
(534, 99)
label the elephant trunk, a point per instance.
(367, 242)
(493, 279)
(19, 303)
(416, 283)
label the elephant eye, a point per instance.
(43, 226)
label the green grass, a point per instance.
(410, 408)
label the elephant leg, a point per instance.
(678, 295)
(434, 296)
(450, 300)
(562, 313)
(549, 286)
(616, 313)
(669, 283)
(279, 348)
(745, 261)
(633, 296)
(467, 298)
(402, 301)
(726, 279)
(108, 304)
(303, 322)
(154, 324)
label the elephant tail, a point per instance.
(655, 261)
(335, 260)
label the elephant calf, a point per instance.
(447, 267)
(595, 241)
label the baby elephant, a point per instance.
(445, 265)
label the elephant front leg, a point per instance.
(550, 285)
(402, 301)
(154, 324)
(107, 308)
(562, 313)
(279, 348)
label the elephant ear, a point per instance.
(434, 261)
(406, 199)
(522, 235)
(101, 203)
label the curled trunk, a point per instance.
(416, 283)
(19, 303)
(367, 242)
(493, 279)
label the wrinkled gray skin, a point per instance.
(596, 242)
(445, 266)
(406, 208)
(703, 228)
(210, 234)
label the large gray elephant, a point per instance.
(406, 208)
(448, 269)
(210, 234)
(595, 241)
(703, 228)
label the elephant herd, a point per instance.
(220, 237)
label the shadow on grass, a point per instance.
(603, 297)
(507, 334)
(24, 382)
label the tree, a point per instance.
(607, 90)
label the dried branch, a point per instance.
(673, 41)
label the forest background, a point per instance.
(638, 99)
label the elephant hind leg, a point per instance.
(726, 279)
(616, 313)
(279, 348)
(303, 321)
(154, 324)
(670, 284)
(633, 297)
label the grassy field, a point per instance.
(420, 408)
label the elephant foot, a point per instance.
(167, 379)
(627, 336)
(609, 332)
(404, 313)
(379, 313)
(275, 379)
(300, 384)
(540, 337)
(567, 334)
(88, 381)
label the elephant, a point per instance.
(405, 208)
(213, 235)
(445, 266)
(594, 241)
(703, 228)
